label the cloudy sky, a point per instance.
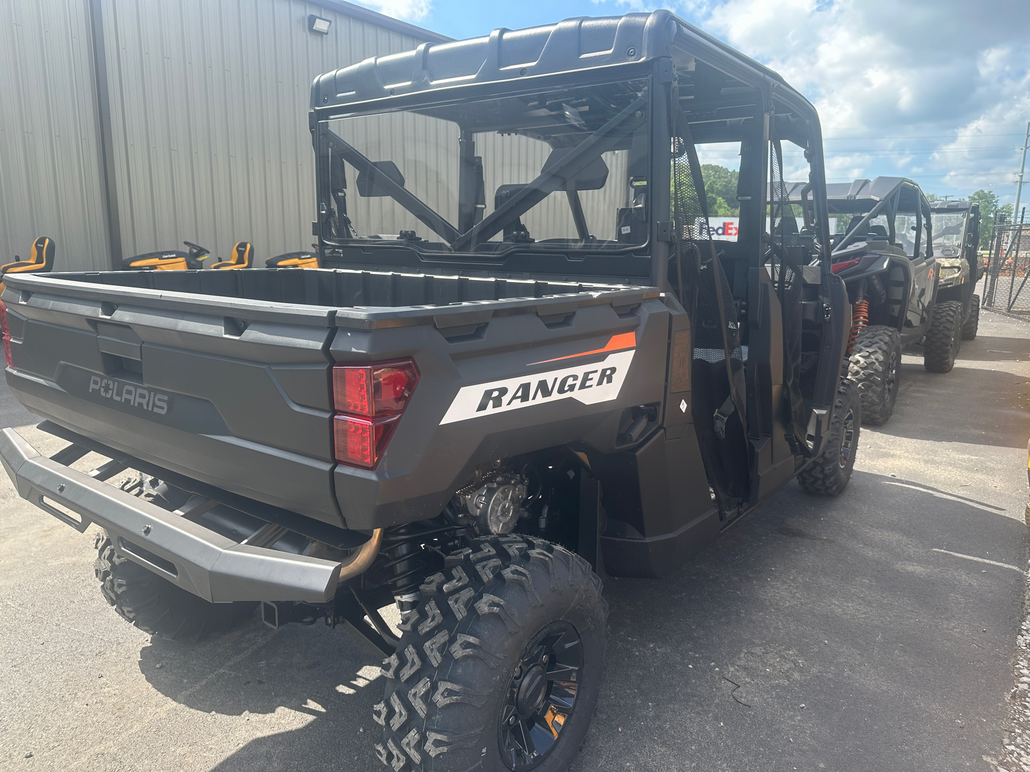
(936, 90)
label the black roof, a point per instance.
(953, 206)
(862, 195)
(868, 190)
(506, 56)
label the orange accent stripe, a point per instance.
(617, 343)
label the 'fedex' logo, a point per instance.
(725, 228)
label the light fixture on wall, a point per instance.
(318, 24)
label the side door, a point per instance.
(919, 250)
(972, 245)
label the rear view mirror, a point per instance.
(593, 177)
(370, 181)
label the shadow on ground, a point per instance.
(845, 634)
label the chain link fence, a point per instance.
(1007, 285)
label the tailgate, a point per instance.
(231, 392)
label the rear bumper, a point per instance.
(184, 552)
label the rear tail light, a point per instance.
(369, 400)
(360, 441)
(375, 389)
(843, 266)
(5, 333)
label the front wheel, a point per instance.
(972, 323)
(500, 667)
(940, 347)
(828, 475)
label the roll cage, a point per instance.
(867, 200)
(721, 94)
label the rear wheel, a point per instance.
(875, 368)
(972, 323)
(157, 606)
(940, 347)
(828, 475)
(500, 667)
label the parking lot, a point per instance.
(874, 631)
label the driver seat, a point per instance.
(242, 257)
(41, 259)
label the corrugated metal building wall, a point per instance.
(51, 175)
(202, 103)
(129, 126)
(209, 115)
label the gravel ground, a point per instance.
(1016, 756)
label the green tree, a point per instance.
(988, 202)
(717, 206)
(721, 190)
(931, 197)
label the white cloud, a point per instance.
(408, 10)
(918, 87)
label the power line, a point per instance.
(879, 151)
(916, 176)
(923, 136)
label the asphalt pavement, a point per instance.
(874, 631)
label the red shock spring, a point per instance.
(859, 320)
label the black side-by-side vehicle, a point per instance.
(523, 360)
(885, 254)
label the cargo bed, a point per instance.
(224, 376)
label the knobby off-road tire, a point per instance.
(502, 659)
(876, 368)
(940, 347)
(157, 606)
(829, 473)
(972, 323)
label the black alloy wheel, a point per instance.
(541, 697)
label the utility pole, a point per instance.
(1022, 168)
(1019, 187)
